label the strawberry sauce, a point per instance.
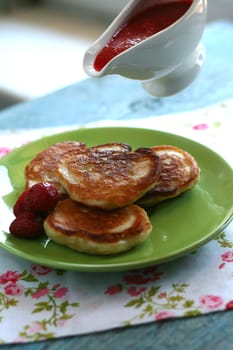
(141, 26)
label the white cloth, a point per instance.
(37, 302)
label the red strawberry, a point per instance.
(19, 206)
(41, 198)
(26, 225)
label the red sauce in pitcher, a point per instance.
(141, 26)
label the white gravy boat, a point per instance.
(165, 62)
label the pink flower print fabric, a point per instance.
(4, 151)
(51, 303)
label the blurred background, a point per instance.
(42, 42)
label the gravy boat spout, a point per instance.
(166, 60)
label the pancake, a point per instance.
(99, 177)
(179, 173)
(97, 231)
(43, 167)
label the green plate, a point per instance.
(180, 225)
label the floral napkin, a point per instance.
(37, 302)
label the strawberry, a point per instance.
(41, 198)
(30, 208)
(19, 206)
(26, 225)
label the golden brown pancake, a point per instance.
(99, 177)
(97, 231)
(179, 172)
(43, 168)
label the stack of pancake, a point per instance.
(105, 189)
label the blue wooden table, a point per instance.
(117, 98)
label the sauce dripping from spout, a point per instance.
(140, 27)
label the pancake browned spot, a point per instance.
(43, 167)
(179, 172)
(108, 179)
(113, 147)
(97, 231)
